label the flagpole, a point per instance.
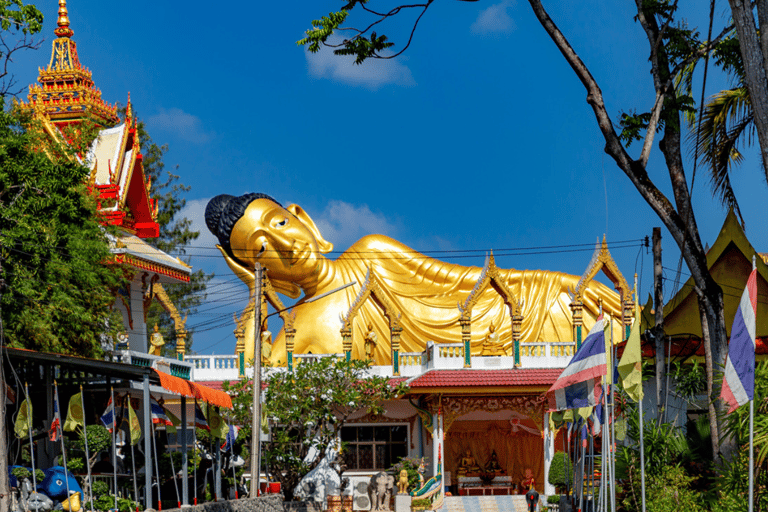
(29, 431)
(133, 453)
(87, 453)
(157, 466)
(612, 449)
(640, 409)
(114, 440)
(194, 451)
(592, 468)
(231, 429)
(751, 454)
(60, 434)
(583, 456)
(173, 469)
(604, 458)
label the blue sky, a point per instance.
(478, 137)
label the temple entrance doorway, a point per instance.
(488, 452)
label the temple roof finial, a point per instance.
(63, 29)
(128, 110)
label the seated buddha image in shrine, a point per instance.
(422, 290)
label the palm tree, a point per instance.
(727, 123)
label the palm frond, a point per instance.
(726, 122)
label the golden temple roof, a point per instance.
(66, 92)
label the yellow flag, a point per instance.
(74, 413)
(23, 420)
(215, 422)
(630, 365)
(133, 424)
(171, 429)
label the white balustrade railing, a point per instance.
(214, 367)
(436, 356)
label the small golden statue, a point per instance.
(492, 345)
(266, 346)
(370, 342)
(467, 464)
(402, 482)
(157, 343)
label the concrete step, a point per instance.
(484, 504)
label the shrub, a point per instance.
(560, 471)
(670, 489)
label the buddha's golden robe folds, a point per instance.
(426, 292)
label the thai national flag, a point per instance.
(108, 418)
(739, 378)
(200, 421)
(579, 384)
(53, 432)
(158, 414)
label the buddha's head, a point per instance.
(255, 228)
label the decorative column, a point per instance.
(627, 314)
(437, 441)
(577, 307)
(394, 333)
(466, 336)
(181, 345)
(517, 322)
(549, 453)
(290, 332)
(240, 347)
(346, 340)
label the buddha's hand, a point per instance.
(245, 274)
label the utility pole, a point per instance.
(256, 420)
(658, 330)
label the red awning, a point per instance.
(193, 390)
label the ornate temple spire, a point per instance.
(66, 93)
(63, 29)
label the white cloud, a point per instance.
(343, 224)
(183, 125)
(373, 73)
(203, 252)
(494, 19)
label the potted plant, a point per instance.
(420, 504)
(553, 502)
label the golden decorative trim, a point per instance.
(179, 324)
(490, 276)
(371, 289)
(151, 267)
(453, 407)
(602, 260)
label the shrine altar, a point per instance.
(475, 486)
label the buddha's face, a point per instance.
(528, 473)
(271, 235)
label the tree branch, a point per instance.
(7, 50)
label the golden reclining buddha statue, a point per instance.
(424, 291)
